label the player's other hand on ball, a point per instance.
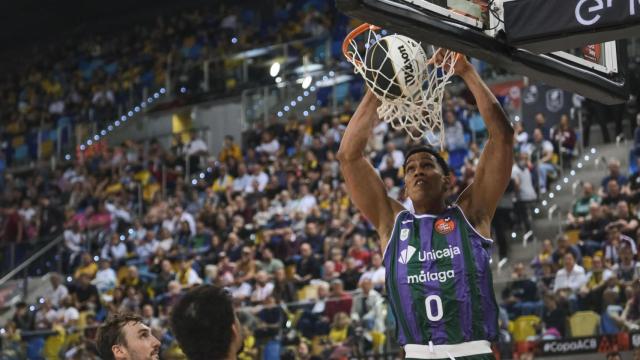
(461, 66)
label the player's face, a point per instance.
(140, 343)
(424, 176)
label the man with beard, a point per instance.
(126, 337)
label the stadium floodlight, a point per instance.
(275, 69)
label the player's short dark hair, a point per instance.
(110, 333)
(202, 322)
(418, 149)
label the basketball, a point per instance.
(395, 65)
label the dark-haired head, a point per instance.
(205, 324)
(124, 336)
(426, 149)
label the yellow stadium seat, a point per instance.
(525, 326)
(573, 236)
(584, 323)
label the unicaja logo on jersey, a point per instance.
(406, 254)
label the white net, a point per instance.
(419, 112)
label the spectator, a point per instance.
(85, 295)
(563, 247)
(186, 275)
(283, 289)
(115, 250)
(591, 294)
(57, 291)
(263, 288)
(368, 307)
(87, 266)
(592, 230)
(339, 300)
(521, 137)
(229, 150)
(270, 319)
(455, 142)
(541, 153)
(554, 316)
(520, 297)
(564, 141)
(74, 240)
(614, 174)
(624, 219)
(23, 318)
(394, 154)
(269, 264)
(540, 124)
(351, 275)
(544, 257)
(580, 208)
(194, 150)
(569, 279)
(307, 267)
(613, 195)
(525, 192)
(375, 273)
(105, 279)
(627, 268)
(269, 145)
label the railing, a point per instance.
(24, 266)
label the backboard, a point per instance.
(477, 29)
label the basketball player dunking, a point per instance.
(438, 279)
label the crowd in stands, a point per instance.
(593, 268)
(272, 223)
(92, 79)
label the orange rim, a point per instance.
(352, 35)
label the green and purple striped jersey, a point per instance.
(438, 280)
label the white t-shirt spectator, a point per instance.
(573, 280)
(375, 275)
(73, 240)
(114, 253)
(307, 203)
(547, 147)
(27, 214)
(70, 314)
(146, 249)
(526, 191)
(262, 178)
(398, 160)
(56, 295)
(271, 148)
(195, 146)
(105, 280)
(261, 293)
(241, 183)
(241, 291)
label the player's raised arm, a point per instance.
(365, 187)
(492, 176)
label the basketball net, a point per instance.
(419, 113)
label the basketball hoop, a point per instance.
(417, 110)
